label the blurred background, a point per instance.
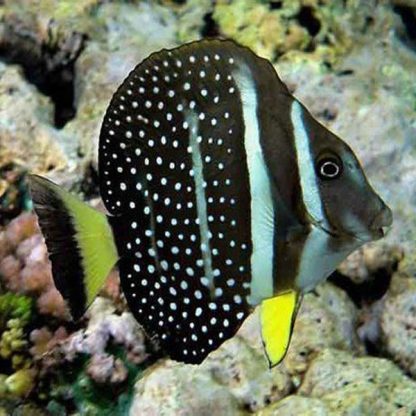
(353, 64)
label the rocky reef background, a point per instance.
(353, 63)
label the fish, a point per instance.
(223, 194)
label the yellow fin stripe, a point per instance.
(277, 316)
(95, 241)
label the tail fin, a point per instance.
(80, 243)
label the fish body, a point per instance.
(223, 193)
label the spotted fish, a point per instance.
(223, 193)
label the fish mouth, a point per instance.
(382, 223)
(380, 232)
(373, 233)
(378, 227)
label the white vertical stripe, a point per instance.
(318, 261)
(262, 213)
(201, 202)
(308, 181)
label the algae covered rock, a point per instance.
(398, 322)
(237, 374)
(128, 33)
(337, 383)
(367, 98)
(326, 319)
(365, 385)
(294, 405)
(27, 137)
(232, 380)
(314, 30)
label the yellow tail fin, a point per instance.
(80, 243)
(277, 316)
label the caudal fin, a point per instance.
(79, 240)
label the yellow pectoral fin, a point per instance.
(277, 316)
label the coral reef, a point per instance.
(109, 351)
(352, 63)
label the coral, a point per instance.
(25, 268)
(104, 326)
(296, 405)
(15, 314)
(44, 341)
(106, 369)
(351, 64)
(95, 366)
(20, 383)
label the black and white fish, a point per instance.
(223, 193)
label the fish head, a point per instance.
(351, 209)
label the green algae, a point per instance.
(15, 315)
(314, 29)
(73, 388)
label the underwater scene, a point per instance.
(207, 207)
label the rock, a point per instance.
(295, 405)
(27, 137)
(171, 388)
(366, 262)
(195, 20)
(128, 34)
(120, 35)
(398, 322)
(326, 319)
(362, 89)
(358, 386)
(232, 380)
(237, 374)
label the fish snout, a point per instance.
(382, 222)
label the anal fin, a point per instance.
(277, 316)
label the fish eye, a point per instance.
(329, 167)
